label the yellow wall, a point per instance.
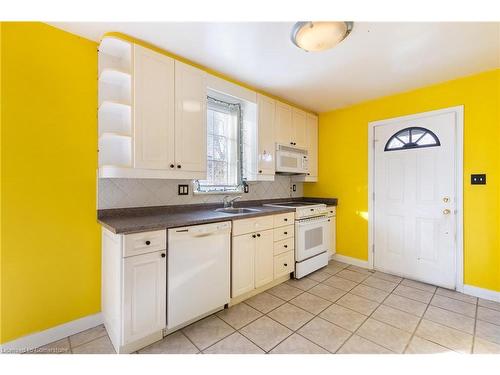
(343, 167)
(50, 265)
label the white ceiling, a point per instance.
(377, 59)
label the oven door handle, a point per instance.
(312, 222)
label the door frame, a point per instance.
(459, 172)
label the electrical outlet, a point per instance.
(246, 188)
(478, 179)
(294, 187)
(183, 190)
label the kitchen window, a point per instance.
(223, 148)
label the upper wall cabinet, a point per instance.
(290, 125)
(190, 118)
(152, 114)
(154, 128)
(299, 128)
(283, 124)
(266, 145)
(311, 136)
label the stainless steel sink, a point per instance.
(233, 210)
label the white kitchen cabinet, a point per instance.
(152, 114)
(332, 215)
(134, 288)
(242, 265)
(283, 124)
(153, 109)
(312, 146)
(256, 254)
(190, 118)
(144, 293)
(299, 137)
(266, 133)
(264, 255)
(311, 126)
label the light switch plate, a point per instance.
(478, 179)
(183, 190)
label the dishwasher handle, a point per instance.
(205, 230)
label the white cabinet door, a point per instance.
(312, 144)
(283, 124)
(266, 142)
(242, 265)
(153, 107)
(333, 228)
(264, 258)
(190, 118)
(299, 128)
(144, 295)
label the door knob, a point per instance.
(446, 211)
(446, 199)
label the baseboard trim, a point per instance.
(350, 260)
(488, 294)
(47, 336)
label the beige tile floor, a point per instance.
(338, 309)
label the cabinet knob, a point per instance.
(285, 232)
(163, 255)
(285, 264)
(148, 243)
(291, 143)
(285, 219)
(285, 246)
(172, 166)
(258, 234)
(253, 235)
(178, 166)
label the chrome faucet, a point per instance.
(229, 202)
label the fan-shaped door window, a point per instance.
(409, 138)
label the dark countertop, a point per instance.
(141, 219)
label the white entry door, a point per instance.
(415, 198)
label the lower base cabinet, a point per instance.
(144, 291)
(134, 288)
(254, 263)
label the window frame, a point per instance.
(412, 145)
(199, 188)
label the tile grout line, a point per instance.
(364, 321)
(474, 331)
(419, 321)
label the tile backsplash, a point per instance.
(123, 192)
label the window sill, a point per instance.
(217, 192)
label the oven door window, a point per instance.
(312, 238)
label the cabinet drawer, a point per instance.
(141, 243)
(283, 246)
(283, 219)
(254, 224)
(283, 232)
(283, 264)
(331, 210)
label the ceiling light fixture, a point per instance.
(319, 36)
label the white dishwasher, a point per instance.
(198, 271)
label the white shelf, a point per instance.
(105, 135)
(115, 47)
(115, 76)
(115, 106)
(115, 150)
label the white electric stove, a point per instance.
(312, 235)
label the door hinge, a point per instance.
(373, 248)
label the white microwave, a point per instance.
(291, 160)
